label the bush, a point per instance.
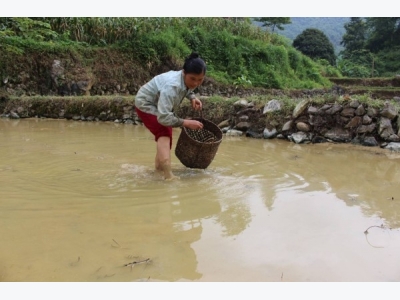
(236, 52)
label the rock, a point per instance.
(234, 132)
(369, 141)
(223, 124)
(347, 112)
(14, 115)
(319, 139)
(366, 120)
(326, 107)
(312, 110)
(269, 133)
(287, 126)
(253, 134)
(366, 128)
(372, 112)
(85, 86)
(393, 146)
(393, 138)
(271, 106)
(225, 129)
(385, 128)
(57, 72)
(339, 135)
(242, 103)
(389, 111)
(360, 111)
(334, 109)
(354, 122)
(354, 104)
(243, 126)
(300, 107)
(103, 116)
(303, 127)
(299, 137)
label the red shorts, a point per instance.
(151, 123)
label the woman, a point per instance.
(157, 100)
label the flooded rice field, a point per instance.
(81, 202)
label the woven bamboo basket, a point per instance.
(197, 148)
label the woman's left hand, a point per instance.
(196, 104)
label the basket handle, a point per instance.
(201, 113)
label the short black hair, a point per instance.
(194, 64)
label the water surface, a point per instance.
(80, 200)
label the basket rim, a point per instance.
(210, 123)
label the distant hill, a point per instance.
(332, 27)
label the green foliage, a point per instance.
(332, 27)
(315, 44)
(28, 28)
(274, 22)
(388, 61)
(350, 69)
(372, 47)
(370, 101)
(383, 33)
(355, 37)
(242, 81)
(236, 51)
(158, 46)
(6, 46)
(327, 70)
(359, 63)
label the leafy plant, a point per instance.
(236, 51)
(315, 44)
(242, 81)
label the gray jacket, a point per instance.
(162, 95)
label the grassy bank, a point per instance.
(129, 51)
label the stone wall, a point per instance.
(347, 121)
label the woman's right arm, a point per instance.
(192, 124)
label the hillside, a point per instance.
(101, 55)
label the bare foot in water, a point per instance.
(171, 178)
(166, 167)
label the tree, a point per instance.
(384, 33)
(274, 22)
(315, 44)
(354, 38)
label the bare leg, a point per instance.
(163, 157)
(157, 163)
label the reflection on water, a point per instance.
(81, 201)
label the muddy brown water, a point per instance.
(79, 201)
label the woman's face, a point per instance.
(192, 80)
